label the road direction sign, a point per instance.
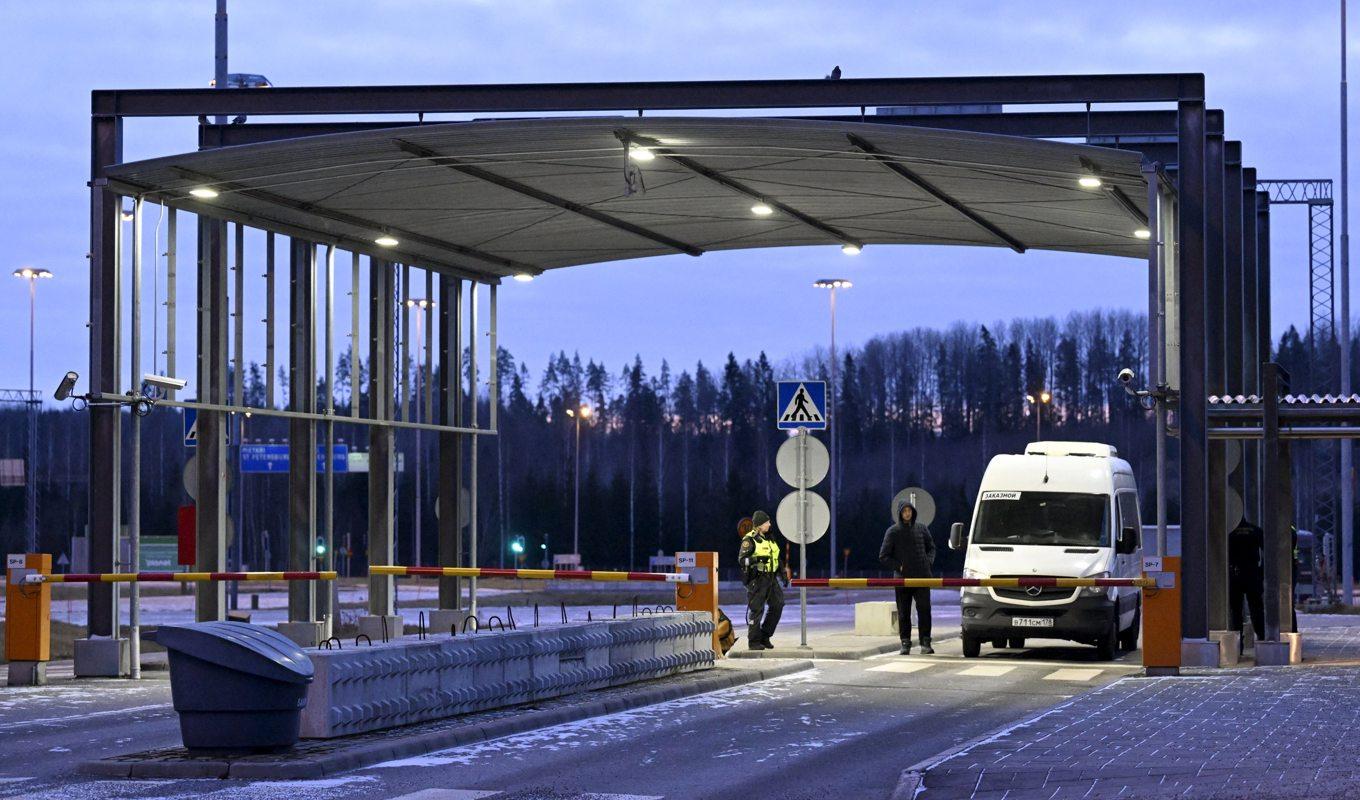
(818, 517)
(801, 404)
(273, 458)
(817, 461)
(921, 499)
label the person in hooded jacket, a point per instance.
(909, 551)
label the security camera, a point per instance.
(164, 382)
(67, 384)
(1126, 376)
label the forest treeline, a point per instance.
(673, 455)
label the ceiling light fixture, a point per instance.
(523, 277)
(761, 210)
(639, 153)
(1143, 233)
(1089, 182)
(203, 192)
(386, 241)
(851, 249)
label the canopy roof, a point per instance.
(495, 198)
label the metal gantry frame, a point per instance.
(1186, 251)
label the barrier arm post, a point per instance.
(27, 619)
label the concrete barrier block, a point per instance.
(877, 618)
(102, 658)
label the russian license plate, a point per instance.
(1032, 622)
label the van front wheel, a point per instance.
(1107, 647)
(972, 647)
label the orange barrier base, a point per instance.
(1162, 622)
(701, 592)
(28, 632)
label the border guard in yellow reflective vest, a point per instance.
(759, 560)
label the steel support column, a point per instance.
(381, 598)
(301, 432)
(1194, 466)
(1235, 313)
(450, 536)
(106, 140)
(1251, 346)
(1215, 378)
(211, 458)
(1277, 555)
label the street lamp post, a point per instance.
(424, 306)
(1037, 403)
(32, 275)
(832, 284)
(583, 413)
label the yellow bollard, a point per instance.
(28, 628)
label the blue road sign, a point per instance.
(273, 458)
(801, 404)
(190, 418)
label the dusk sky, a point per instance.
(1273, 67)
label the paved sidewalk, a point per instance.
(1278, 732)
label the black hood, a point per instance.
(900, 504)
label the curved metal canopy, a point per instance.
(496, 198)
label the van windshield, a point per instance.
(1058, 518)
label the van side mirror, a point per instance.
(957, 538)
(1128, 540)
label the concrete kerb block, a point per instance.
(102, 658)
(1200, 653)
(372, 627)
(876, 618)
(442, 620)
(27, 673)
(303, 634)
(1287, 651)
(1228, 646)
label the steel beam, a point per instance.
(1123, 129)
(269, 317)
(563, 203)
(106, 140)
(892, 164)
(1278, 551)
(301, 432)
(345, 218)
(1235, 316)
(1194, 467)
(381, 541)
(661, 151)
(657, 96)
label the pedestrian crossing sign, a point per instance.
(801, 404)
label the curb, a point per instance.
(345, 759)
(840, 654)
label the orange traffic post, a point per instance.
(28, 630)
(700, 591)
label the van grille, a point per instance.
(1045, 594)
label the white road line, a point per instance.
(987, 670)
(900, 666)
(87, 715)
(447, 794)
(1072, 674)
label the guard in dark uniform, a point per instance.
(1246, 577)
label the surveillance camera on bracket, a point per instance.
(164, 382)
(68, 382)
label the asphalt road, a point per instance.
(844, 729)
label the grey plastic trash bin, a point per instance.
(235, 686)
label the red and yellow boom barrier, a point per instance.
(179, 577)
(528, 574)
(953, 583)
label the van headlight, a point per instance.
(1095, 591)
(972, 573)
